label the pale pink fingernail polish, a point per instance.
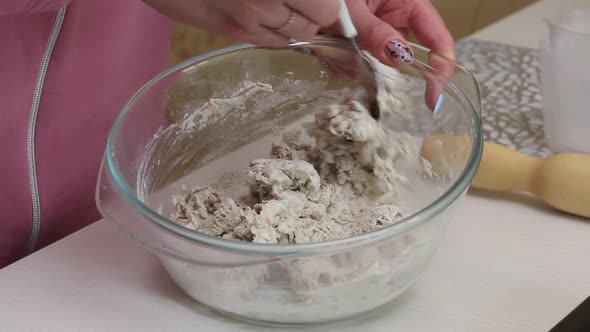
(399, 52)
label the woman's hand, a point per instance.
(384, 24)
(262, 22)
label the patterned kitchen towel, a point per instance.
(508, 78)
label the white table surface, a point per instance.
(507, 264)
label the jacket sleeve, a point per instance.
(18, 7)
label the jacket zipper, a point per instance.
(36, 228)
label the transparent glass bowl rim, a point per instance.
(425, 214)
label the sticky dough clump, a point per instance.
(332, 180)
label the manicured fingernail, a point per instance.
(438, 103)
(399, 52)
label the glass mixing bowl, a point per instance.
(164, 138)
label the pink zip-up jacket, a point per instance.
(66, 69)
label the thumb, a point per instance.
(381, 39)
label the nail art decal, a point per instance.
(399, 52)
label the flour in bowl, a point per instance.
(334, 176)
(332, 179)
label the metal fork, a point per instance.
(364, 65)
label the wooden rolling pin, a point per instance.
(561, 180)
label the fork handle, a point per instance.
(346, 21)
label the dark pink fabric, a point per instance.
(105, 51)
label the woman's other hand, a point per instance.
(261, 22)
